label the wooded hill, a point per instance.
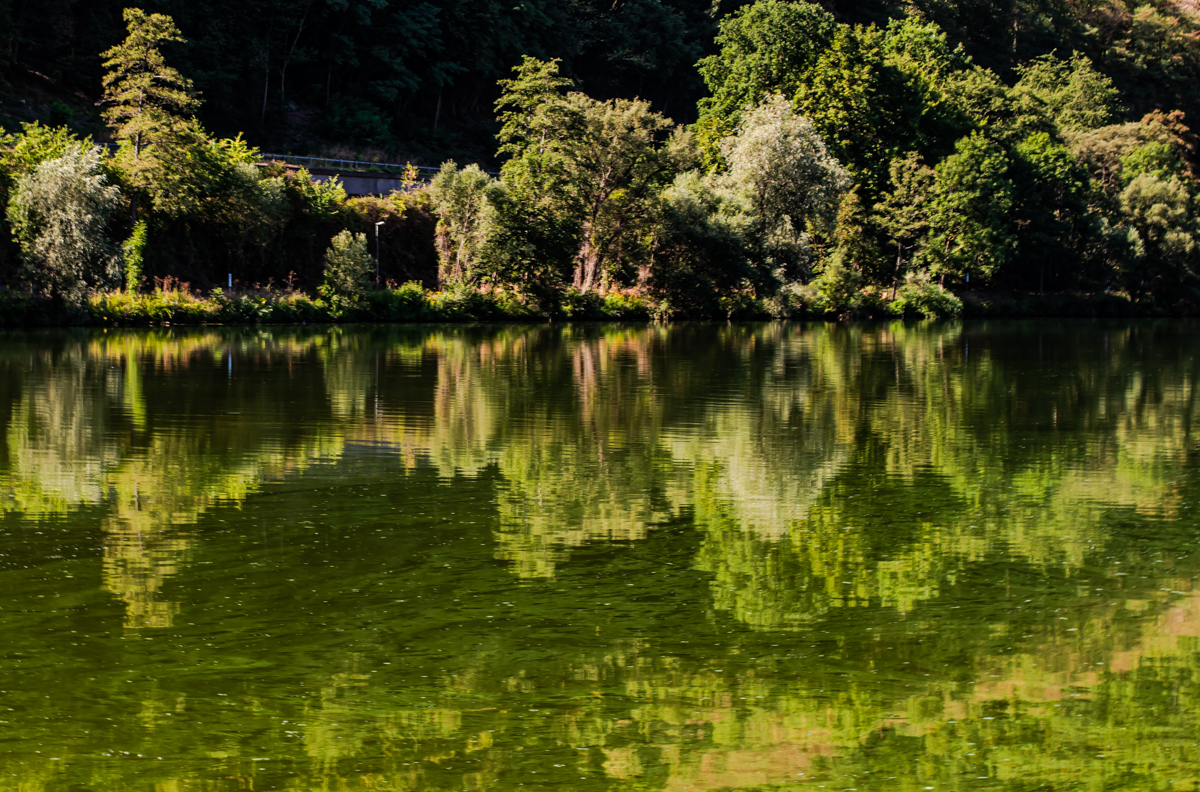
(418, 79)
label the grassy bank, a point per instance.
(408, 303)
(413, 303)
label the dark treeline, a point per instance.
(773, 159)
(409, 78)
(418, 78)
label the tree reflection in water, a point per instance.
(692, 557)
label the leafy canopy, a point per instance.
(59, 217)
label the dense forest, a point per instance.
(656, 159)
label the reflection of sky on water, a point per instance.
(684, 558)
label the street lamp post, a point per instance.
(377, 253)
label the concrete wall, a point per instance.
(364, 183)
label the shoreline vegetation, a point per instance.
(833, 171)
(176, 305)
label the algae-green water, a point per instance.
(680, 557)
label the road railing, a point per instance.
(423, 172)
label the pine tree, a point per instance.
(149, 104)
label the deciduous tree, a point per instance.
(59, 215)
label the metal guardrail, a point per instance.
(424, 171)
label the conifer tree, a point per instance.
(149, 105)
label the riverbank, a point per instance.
(413, 303)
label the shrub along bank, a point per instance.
(412, 302)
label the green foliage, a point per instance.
(602, 164)
(464, 201)
(1076, 95)
(932, 67)
(995, 109)
(854, 243)
(529, 109)
(132, 254)
(969, 226)
(1049, 213)
(765, 48)
(1153, 56)
(1161, 213)
(348, 266)
(1103, 151)
(1155, 158)
(409, 303)
(149, 106)
(323, 200)
(865, 109)
(613, 166)
(20, 154)
(59, 216)
(781, 184)
(921, 297)
(175, 304)
(699, 256)
(836, 290)
(823, 145)
(530, 246)
(615, 306)
(903, 213)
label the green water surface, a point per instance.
(709, 557)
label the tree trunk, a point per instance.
(288, 59)
(896, 274)
(266, 91)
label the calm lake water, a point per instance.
(884, 557)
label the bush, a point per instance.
(626, 307)
(465, 305)
(463, 200)
(409, 303)
(581, 305)
(59, 216)
(742, 305)
(131, 253)
(348, 265)
(919, 296)
(698, 254)
(836, 290)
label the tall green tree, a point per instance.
(782, 183)
(601, 163)
(764, 48)
(1049, 212)
(150, 106)
(1161, 212)
(347, 272)
(1076, 95)
(464, 201)
(699, 256)
(903, 212)
(970, 228)
(529, 109)
(864, 108)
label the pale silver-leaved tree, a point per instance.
(463, 200)
(59, 216)
(780, 183)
